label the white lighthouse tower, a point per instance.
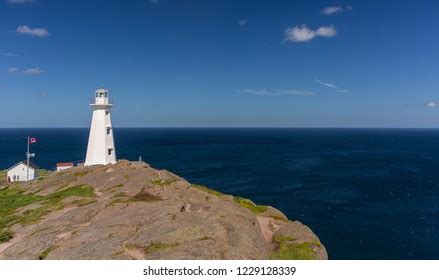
(101, 148)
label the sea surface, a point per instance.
(367, 193)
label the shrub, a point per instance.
(288, 250)
(43, 255)
(250, 205)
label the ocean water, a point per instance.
(367, 193)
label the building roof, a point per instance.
(31, 165)
(64, 164)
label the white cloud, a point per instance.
(296, 92)
(34, 71)
(242, 22)
(431, 105)
(34, 32)
(332, 86)
(20, 1)
(12, 70)
(299, 34)
(304, 34)
(336, 9)
(8, 54)
(332, 10)
(326, 31)
(264, 92)
(325, 84)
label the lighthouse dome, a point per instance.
(101, 98)
(101, 92)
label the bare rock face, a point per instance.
(131, 211)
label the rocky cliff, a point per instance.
(132, 211)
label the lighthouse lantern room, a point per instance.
(101, 149)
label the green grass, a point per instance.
(53, 202)
(120, 194)
(5, 235)
(118, 201)
(155, 247)
(114, 188)
(40, 229)
(203, 238)
(3, 179)
(288, 250)
(250, 205)
(206, 189)
(84, 201)
(279, 218)
(13, 198)
(81, 190)
(161, 183)
(33, 216)
(43, 255)
(117, 253)
(80, 174)
(43, 172)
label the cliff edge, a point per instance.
(129, 210)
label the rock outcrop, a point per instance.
(132, 211)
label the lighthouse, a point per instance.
(100, 149)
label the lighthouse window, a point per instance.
(108, 130)
(110, 151)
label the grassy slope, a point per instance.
(13, 198)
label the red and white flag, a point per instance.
(32, 140)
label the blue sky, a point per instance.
(223, 63)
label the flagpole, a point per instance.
(27, 155)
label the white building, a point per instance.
(18, 172)
(60, 166)
(101, 149)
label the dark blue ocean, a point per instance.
(367, 193)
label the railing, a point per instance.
(79, 162)
(101, 101)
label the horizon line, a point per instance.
(225, 127)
